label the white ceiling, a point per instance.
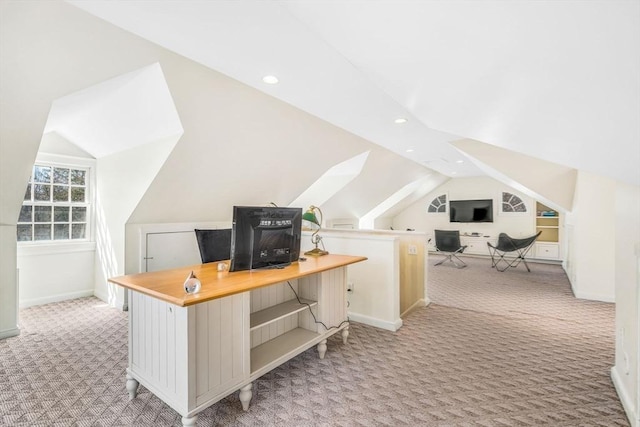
(556, 80)
(121, 113)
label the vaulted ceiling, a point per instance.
(556, 80)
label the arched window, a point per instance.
(512, 203)
(439, 204)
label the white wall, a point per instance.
(122, 180)
(8, 282)
(591, 256)
(35, 71)
(55, 271)
(50, 273)
(548, 182)
(514, 224)
(235, 137)
(625, 373)
(153, 247)
(375, 299)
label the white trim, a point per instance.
(62, 160)
(177, 227)
(78, 162)
(104, 297)
(625, 400)
(56, 298)
(593, 297)
(8, 333)
(528, 202)
(144, 230)
(365, 234)
(446, 204)
(54, 247)
(371, 321)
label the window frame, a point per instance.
(526, 201)
(68, 162)
(432, 199)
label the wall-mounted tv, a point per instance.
(471, 210)
(265, 237)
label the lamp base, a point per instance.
(316, 252)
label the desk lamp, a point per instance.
(310, 221)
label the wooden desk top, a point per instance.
(167, 285)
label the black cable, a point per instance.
(313, 315)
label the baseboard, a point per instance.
(372, 321)
(625, 400)
(417, 304)
(8, 333)
(118, 303)
(101, 296)
(593, 297)
(55, 298)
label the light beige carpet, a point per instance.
(494, 349)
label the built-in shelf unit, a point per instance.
(548, 223)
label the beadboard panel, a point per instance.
(329, 289)
(333, 306)
(221, 360)
(215, 345)
(158, 356)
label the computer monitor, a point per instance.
(265, 237)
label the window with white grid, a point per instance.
(56, 204)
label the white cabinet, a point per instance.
(546, 250)
(477, 245)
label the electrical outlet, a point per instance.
(413, 250)
(349, 286)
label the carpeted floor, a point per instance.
(493, 349)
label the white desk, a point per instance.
(191, 350)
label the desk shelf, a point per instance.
(279, 311)
(281, 348)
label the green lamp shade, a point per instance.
(311, 217)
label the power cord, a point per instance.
(313, 315)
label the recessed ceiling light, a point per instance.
(271, 80)
(409, 150)
(400, 120)
(454, 172)
(459, 161)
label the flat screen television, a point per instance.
(471, 210)
(265, 237)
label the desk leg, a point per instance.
(345, 334)
(322, 348)
(188, 422)
(132, 386)
(245, 396)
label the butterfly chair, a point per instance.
(214, 245)
(502, 255)
(448, 243)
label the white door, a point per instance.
(171, 249)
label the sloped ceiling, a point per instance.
(559, 81)
(116, 115)
(240, 146)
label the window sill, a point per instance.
(51, 248)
